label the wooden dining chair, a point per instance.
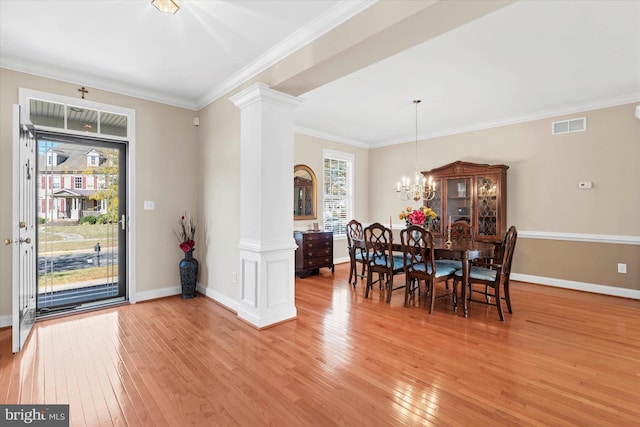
(357, 254)
(420, 265)
(493, 276)
(460, 231)
(381, 259)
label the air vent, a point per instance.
(568, 126)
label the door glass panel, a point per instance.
(43, 113)
(79, 238)
(82, 119)
(113, 124)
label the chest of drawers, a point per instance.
(315, 250)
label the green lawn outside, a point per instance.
(75, 238)
(59, 238)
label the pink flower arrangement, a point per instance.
(420, 216)
(186, 234)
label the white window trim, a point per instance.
(350, 158)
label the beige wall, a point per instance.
(543, 194)
(166, 168)
(219, 159)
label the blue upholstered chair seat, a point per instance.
(452, 263)
(398, 261)
(360, 256)
(479, 273)
(440, 271)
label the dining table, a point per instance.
(464, 251)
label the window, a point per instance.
(77, 182)
(56, 181)
(338, 191)
(93, 160)
(50, 158)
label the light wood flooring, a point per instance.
(563, 358)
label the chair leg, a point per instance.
(455, 293)
(498, 301)
(506, 296)
(389, 287)
(407, 284)
(432, 295)
(352, 268)
(368, 284)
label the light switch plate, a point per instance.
(585, 185)
(149, 205)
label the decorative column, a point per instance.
(266, 247)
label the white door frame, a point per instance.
(25, 94)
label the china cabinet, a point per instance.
(472, 192)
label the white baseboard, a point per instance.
(5, 320)
(341, 260)
(579, 286)
(221, 299)
(158, 293)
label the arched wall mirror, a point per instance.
(304, 193)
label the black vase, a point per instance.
(188, 275)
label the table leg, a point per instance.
(465, 282)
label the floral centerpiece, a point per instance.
(186, 234)
(420, 216)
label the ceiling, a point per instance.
(529, 60)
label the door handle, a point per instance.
(123, 222)
(27, 240)
(7, 242)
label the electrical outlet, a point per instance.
(622, 268)
(149, 205)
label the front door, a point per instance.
(81, 214)
(24, 281)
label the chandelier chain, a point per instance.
(420, 189)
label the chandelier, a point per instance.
(420, 188)
(167, 6)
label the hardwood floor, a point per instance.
(563, 358)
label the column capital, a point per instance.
(262, 92)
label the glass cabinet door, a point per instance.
(487, 194)
(436, 205)
(459, 193)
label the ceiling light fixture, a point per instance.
(166, 6)
(421, 188)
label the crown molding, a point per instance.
(335, 16)
(74, 77)
(329, 136)
(546, 114)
